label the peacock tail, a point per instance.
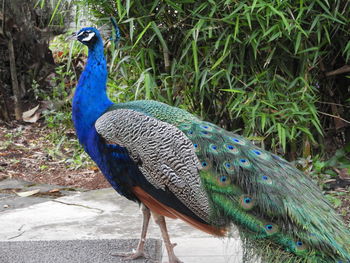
(280, 213)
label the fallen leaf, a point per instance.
(33, 119)
(329, 181)
(31, 115)
(54, 190)
(28, 193)
(94, 168)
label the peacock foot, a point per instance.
(174, 259)
(132, 255)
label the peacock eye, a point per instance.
(269, 227)
(299, 243)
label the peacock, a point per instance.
(178, 166)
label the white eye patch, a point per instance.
(82, 32)
(89, 37)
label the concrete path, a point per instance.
(91, 219)
(73, 251)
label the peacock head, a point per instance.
(89, 36)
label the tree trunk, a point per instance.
(25, 32)
(14, 80)
(4, 113)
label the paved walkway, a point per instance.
(73, 251)
(98, 221)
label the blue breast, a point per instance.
(114, 162)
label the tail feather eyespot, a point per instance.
(229, 167)
(231, 148)
(247, 202)
(206, 164)
(271, 228)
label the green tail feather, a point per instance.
(273, 204)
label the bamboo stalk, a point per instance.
(166, 59)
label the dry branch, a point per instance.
(342, 70)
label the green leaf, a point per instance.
(141, 34)
(268, 104)
(236, 28)
(297, 43)
(160, 37)
(285, 22)
(308, 50)
(148, 85)
(195, 56)
(233, 90)
(55, 11)
(220, 60)
(263, 121)
(127, 7)
(253, 5)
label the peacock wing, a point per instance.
(164, 155)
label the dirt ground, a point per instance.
(26, 153)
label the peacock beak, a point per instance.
(74, 36)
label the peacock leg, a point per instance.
(160, 221)
(140, 250)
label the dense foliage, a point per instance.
(26, 27)
(266, 67)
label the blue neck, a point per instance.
(90, 99)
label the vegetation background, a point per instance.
(277, 72)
